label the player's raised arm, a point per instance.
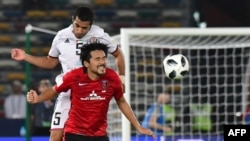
(127, 111)
(33, 97)
(118, 54)
(40, 61)
(120, 62)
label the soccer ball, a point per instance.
(175, 66)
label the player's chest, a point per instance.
(68, 48)
(94, 91)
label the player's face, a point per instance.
(80, 28)
(97, 63)
(42, 88)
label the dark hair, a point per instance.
(45, 82)
(84, 14)
(87, 48)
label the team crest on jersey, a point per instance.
(104, 85)
(93, 40)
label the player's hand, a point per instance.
(32, 96)
(17, 54)
(167, 129)
(147, 131)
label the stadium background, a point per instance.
(110, 14)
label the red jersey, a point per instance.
(89, 101)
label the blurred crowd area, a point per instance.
(56, 14)
(112, 15)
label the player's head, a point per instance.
(163, 98)
(93, 57)
(44, 84)
(16, 87)
(82, 20)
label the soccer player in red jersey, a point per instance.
(92, 87)
(65, 49)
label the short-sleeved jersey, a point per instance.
(66, 47)
(89, 100)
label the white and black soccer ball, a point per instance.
(175, 66)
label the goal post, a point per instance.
(219, 69)
(212, 94)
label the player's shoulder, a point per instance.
(75, 71)
(111, 73)
(65, 31)
(96, 30)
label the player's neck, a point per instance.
(93, 76)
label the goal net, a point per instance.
(213, 93)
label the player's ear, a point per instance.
(73, 19)
(86, 64)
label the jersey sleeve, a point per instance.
(118, 87)
(54, 52)
(104, 38)
(63, 85)
(112, 44)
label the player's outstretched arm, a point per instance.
(40, 61)
(127, 111)
(33, 97)
(155, 125)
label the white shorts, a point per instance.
(61, 111)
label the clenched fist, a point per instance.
(17, 54)
(32, 96)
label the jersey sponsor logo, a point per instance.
(93, 96)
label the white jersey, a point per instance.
(66, 47)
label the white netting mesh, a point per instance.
(213, 92)
(114, 114)
(194, 42)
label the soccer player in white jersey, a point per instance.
(65, 50)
